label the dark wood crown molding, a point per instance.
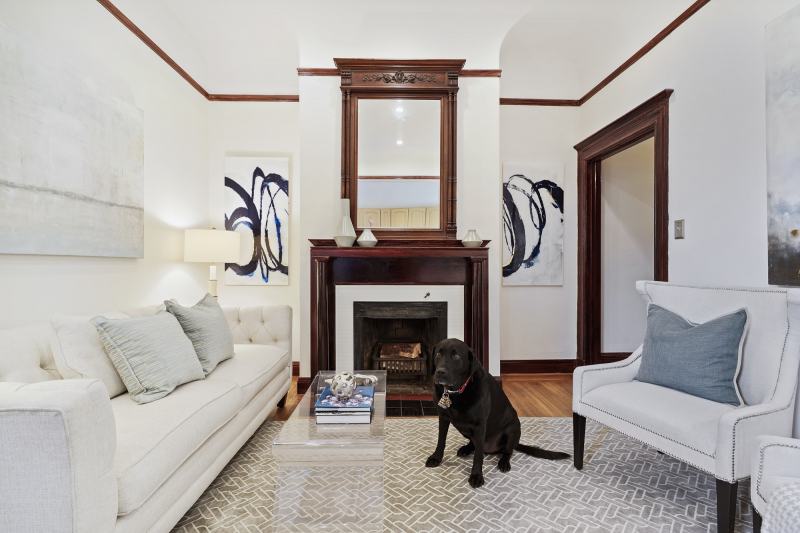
(540, 102)
(137, 31)
(493, 73)
(639, 54)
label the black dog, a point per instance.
(471, 400)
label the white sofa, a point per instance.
(716, 438)
(73, 460)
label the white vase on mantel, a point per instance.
(367, 239)
(347, 233)
(471, 239)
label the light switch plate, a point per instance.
(679, 229)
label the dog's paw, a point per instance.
(476, 480)
(433, 460)
(465, 450)
(504, 465)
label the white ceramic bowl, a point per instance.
(344, 241)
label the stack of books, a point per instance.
(355, 410)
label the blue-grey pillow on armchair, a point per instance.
(698, 359)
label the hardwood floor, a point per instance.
(530, 394)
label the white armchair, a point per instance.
(776, 466)
(716, 438)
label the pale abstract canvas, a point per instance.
(783, 148)
(257, 205)
(71, 157)
(533, 225)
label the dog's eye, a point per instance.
(456, 356)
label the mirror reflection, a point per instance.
(398, 163)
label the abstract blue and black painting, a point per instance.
(257, 204)
(533, 226)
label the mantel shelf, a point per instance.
(400, 248)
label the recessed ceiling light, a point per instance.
(399, 142)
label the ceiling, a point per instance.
(546, 48)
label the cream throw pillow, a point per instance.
(78, 352)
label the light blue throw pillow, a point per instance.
(205, 325)
(699, 359)
(151, 353)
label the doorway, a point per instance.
(614, 149)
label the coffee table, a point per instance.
(330, 476)
(302, 440)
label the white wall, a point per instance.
(175, 164)
(626, 244)
(540, 322)
(258, 128)
(717, 164)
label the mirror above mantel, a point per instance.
(399, 145)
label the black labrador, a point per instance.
(470, 399)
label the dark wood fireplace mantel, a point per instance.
(428, 262)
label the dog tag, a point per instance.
(444, 401)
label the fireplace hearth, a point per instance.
(399, 337)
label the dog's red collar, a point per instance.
(464, 386)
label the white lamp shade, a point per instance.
(211, 246)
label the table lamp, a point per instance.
(211, 246)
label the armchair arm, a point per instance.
(57, 445)
(588, 378)
(773, 457)
(738, 430)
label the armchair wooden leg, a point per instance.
(726, 506)
(578, 439)
(756, 521)
(282, 401)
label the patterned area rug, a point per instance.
(624, 487)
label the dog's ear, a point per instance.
(473, 361)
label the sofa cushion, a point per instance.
(686, 419)
(205, 325)
(154, 439)
(252, 367)
(151, 354)
(79, 353)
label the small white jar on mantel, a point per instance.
(471, 239)
(367, 239)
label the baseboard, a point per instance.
(303, 384)
(295, 368)
(537, 366)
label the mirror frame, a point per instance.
(427, 79)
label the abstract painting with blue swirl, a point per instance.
(533, 226)
(257, 205)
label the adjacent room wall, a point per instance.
(627, 242)
(175, 169)
(258, 128)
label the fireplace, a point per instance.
(399, 337)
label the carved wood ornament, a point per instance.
(431, 79)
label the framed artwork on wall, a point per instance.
(783, 149)
(71, 157)
(257, 204)
(533, 225)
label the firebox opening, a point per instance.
(399, 337)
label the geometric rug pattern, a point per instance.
(624, 487)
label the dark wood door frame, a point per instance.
(650, 119)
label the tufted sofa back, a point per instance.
(26, 356)
(773, 334)
(264, 324)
